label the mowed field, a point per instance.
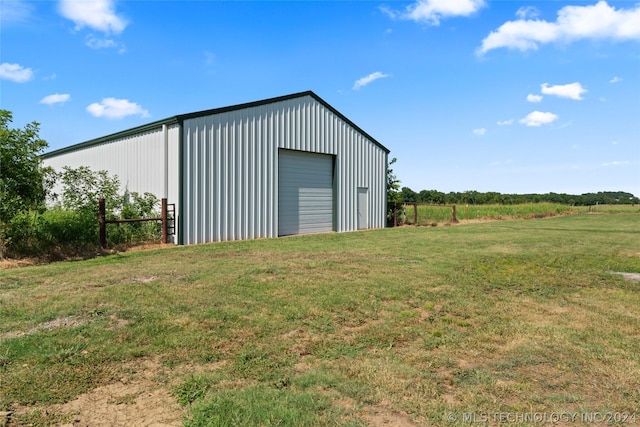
(498, 322)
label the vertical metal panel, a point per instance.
(240, 198)
(239, 171)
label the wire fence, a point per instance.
(423, 214)
(410, 213)
(166, 219)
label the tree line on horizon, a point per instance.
(436, 197)
(398, 194)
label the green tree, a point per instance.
(22, 177)
(82, 187)
(393, 185)
(431, 196)
(23, 180)
(393, 191)
(408, 195)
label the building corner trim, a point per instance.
(181, 188)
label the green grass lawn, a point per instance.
(424, 324)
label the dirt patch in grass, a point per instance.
(632, 277)
(139, 399)
(62, 322)
(381, 415)
(78, 255)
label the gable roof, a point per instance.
(178, 119)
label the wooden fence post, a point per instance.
(395, 214)
(102, 224)
(454, 218)
(165, 222)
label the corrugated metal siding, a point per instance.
(173, 169)
(231, 165)
(229, 179)
(138, 161)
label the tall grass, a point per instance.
(433, 215)
(612, 209)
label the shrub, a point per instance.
(33, 233)
(71, 226)
(134, 205)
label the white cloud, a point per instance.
(527, 12)
(534, 98)
(96, 14)
(571, 90)
(96, 43)
(595, 22)
(15, 72)
(480, 131)
(368, 79)
(432, 11)
(15, 11)
(622, 163)
(56, 98)
(538, 118)
(616, 79)
(113, 108)
(505, 122)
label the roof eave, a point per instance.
(118, 135)
(179, 119)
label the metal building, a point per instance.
(281, 166)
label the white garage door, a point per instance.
(305, 192)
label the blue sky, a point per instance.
(507, 96)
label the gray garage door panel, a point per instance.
(305, 192)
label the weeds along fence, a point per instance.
(409, 213)
(612, 209)
(423, 214)
(166, 219)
